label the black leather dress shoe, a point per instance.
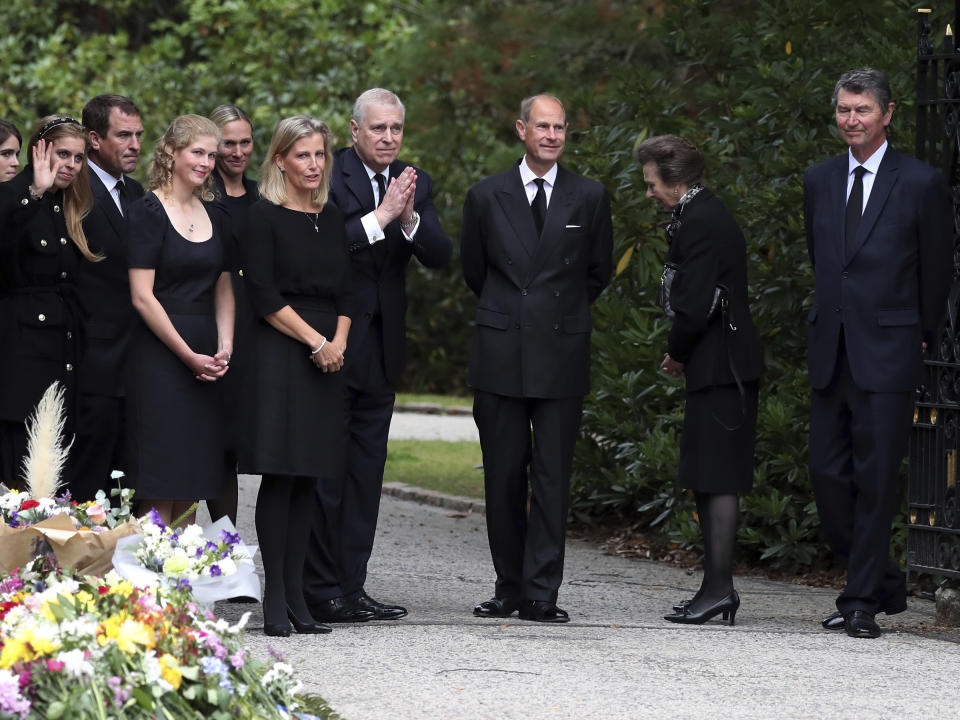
(860, 624)
(381, 611)
(496, 608)
(833, 621)
(542, 611)
(338, 610)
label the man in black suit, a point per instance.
(115, 129)
(389, 213)
(880, 237)
(536, 247)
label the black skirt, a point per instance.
(292, 412)
(719, 431)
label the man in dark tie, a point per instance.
(390, 217)
(880, 236)
(115, 130)
(536, 247)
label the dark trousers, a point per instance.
(99, 446)
(857, 442)
(345, 522)
(527, 441)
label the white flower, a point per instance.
(227, 566)
(74, 664)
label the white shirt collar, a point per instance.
(872, 163)
(108, 180)
(372, 173)
(527, 175)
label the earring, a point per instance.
(675, 191)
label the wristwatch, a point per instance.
(412, 223)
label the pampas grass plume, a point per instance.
(46, 454)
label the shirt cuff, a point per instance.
(413, 231)
(372, 228)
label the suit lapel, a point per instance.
(357, 180)
(882, 184)
(105, 201)
(562, 201)
(513, 201)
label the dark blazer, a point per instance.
(709, 248)
(40, 317)
(890, 293)
(104, 289)
(379, 274)
(532, 331)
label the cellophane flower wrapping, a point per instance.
(213, 562)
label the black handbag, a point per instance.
(720, 293)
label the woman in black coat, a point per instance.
(42, 244)
(714, 347)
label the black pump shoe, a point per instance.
(727, 606)
(306, 628)
(276, 629)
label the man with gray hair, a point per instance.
(880, 238)
(389, 213)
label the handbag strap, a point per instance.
(729, 327)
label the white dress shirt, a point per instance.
(109, 182)
(872, 164)
(527, 177)
(369, 221)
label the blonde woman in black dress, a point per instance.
(180, 285)
(297, 273)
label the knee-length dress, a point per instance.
(175, 422)
(293, 419)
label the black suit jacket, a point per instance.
(379, 274)
(104, 289)
(710, 249)
(890, 293)
(532, 331)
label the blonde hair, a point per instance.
(223, 114)
(77, 196)
(288, 131)
(184, 130)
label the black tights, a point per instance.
(285, 507)
(718, 521)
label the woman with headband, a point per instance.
(42, 243)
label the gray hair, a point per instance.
(376, 96)
(527, 105)
(865, 80)
(677, 159)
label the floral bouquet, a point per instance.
(85, 648)
(213, 562)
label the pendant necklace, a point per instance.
(315, 221)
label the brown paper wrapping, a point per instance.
(85, 551)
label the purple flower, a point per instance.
(215, 571)
(229, 537)
(155, 518)
(183, 584)
(199, 552)
(210, 546)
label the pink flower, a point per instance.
(97, 515)
(24, 679)
(237, 660)
(55, 665)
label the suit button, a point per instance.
(516, 326)
(509, 261)
(56, 208)
(63, 275)
(556, 293)
(43, 243)
(836, 309)
(69, 367)
(240, 273)
(69, 335)
(41, 317)
(523, 292)
(24, 202)
(566, 261)
(63, 241)
(844, 275)
(556, 326)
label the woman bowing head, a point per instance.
(180, 286)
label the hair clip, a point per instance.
(62, 120)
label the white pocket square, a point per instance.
(573, 226)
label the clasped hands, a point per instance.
(398, 200)
(330, 356)
(207, 368)
(671, 367)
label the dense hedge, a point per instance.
(749, 81)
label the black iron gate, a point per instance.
(933, 507)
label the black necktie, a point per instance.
(854, 209)
(124, 198)
(539, 206)
(381, 188)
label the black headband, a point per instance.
(62, 120)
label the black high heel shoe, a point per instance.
(307, 628)
(683, 604)
(726, 607)
(276, 629)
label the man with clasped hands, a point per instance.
(536, 247)
(880, 237)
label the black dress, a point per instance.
(719, 423)
(41, 318)
(175, 423)
(294, 422)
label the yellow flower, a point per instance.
(170, 670)
(126, 633)
(124, 587)
(84, 600)
(40, 642)
(15, 650)
(175, 565)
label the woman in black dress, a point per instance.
(9, 150)
(716, 351)
(297, 271)
(42, 244)
(180, 285)
(235, 194)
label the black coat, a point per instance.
(40, 316)
(104, 289)
(709, 248)
(532, 332)
(379, 274)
